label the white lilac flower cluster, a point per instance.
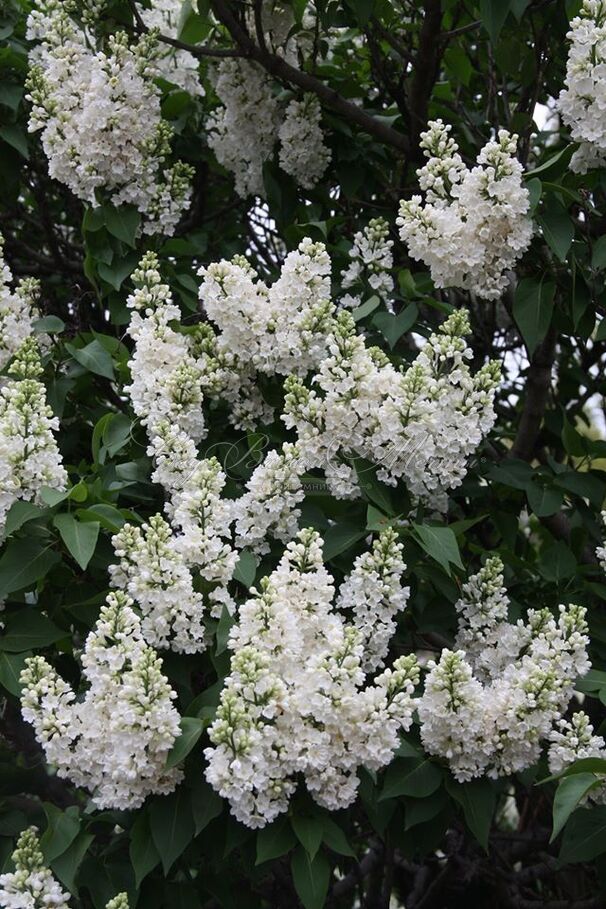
(174, 64)
(29, 456)
(244, 129)
(473, 225)
(279, 329)
(167, 380)
(98, 110)
(418, 424)
(115, 741)
(297, 701)
(303, 153)
(153, 573)
(31, 885)
(574, 739)
(18, 310)
(489, 709)
(371, 263)
(582, 103)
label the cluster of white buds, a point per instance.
(582, 103)
(31, 885)
(488, 710)
(115, 741)
(98, 109)
(153, 573)
(297, 701)
(18, 310)
(167, 380)
(418, 424)
(473, 225)
(29, 456)
(369, 272)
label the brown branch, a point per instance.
(538, 385)
(279, 68)
(425, 70)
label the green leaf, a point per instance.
(598, 254)
(533, 309)
(108, 516)
(309, 831)
(191, 730)
(246, 569)
(544, 500)
(478, 801)
(19, 514)
(50, 324)
(52, 497)
(11, 666)
(205, 804)
(63, 826)
(66, 866)
(335, 838)
(275, 840)
(493, 14)
(226, 623)
(311, 878)
(557, 562)
(558, 228)
(23, 563)
(340, 538)
(79, 537)
(93, 357)
(586, 765)
(419, 782)
(172, 825)
(122, 223)
(16, 137)
(440, 543)
(393, 327)
(570, 791)
(142, 852)
(366, 308)
(28, 629)
(585, 835)
(117, 273)
(117, 433)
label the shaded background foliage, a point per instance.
(533, 493)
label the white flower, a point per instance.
(173, 64)
(152, 571)
(242, 132)
(31, 885)
(116, 740)
(29, 457)
(296, 701)
(98, 111)
(17, 311)
(474, 224)
(371, 264)
(303, 153)
(419, 424)
(269, 505)
(488, 711)
(582, 103)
